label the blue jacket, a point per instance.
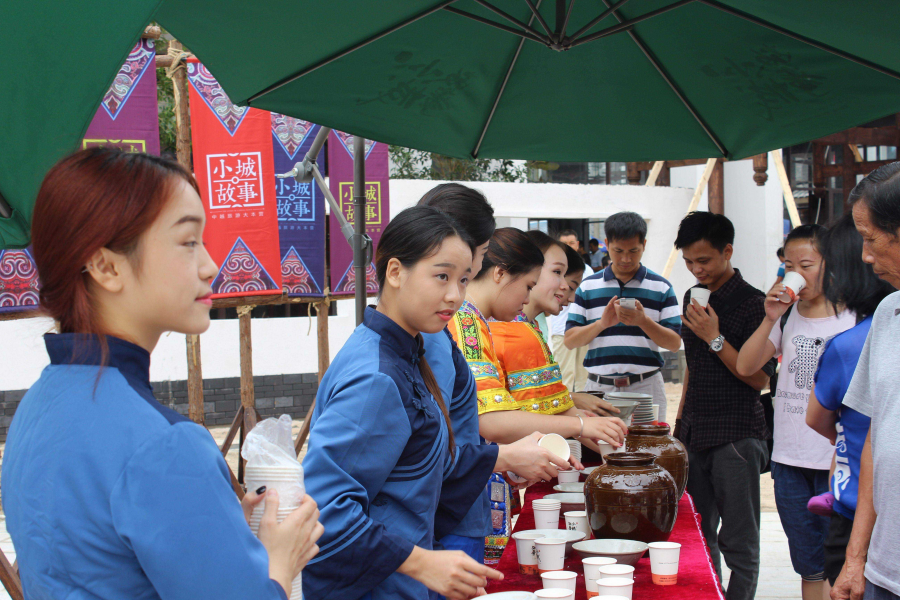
(452, 373)
(377, 462)
(109, 494)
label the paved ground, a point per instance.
(777, 579)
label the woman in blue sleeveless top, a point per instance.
(107, 493)
(381, 450)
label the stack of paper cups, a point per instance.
(285, 481)
(575, 449)
(592, 566)
(546, 513)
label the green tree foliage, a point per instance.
(407, 163)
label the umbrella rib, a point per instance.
(565, 23)
(5, 208)
(537, 14)
(668, 79)
(627, 24)
(602, 16)
(509, 71)
(354, 48)
(800, 38)
(512, 19)
(522, 34)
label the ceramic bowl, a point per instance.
(626, 552)
(571, 537)
(569, 488)
(568, 500)
(588, 470)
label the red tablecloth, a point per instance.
(697, 578)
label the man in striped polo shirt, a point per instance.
(625, 314)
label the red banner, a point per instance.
(234, 165)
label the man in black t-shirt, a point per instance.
(721, 419)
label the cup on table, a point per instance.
(576, 520)
(564, 580)
(551, 554)
(664, 562)
(701, 295)
(615, 586)
(617, 570)
(793, 283)
(526, 552)
(546, 514)
(570, 476)
(555, 594)
(556, 444)
(656, 414)
(592, 566)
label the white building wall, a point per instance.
(289, 345)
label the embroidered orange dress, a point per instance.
(533, 377)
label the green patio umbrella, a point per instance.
(555, 80)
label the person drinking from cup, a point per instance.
(625, 314)
(720, 418)
(801, 458)
(381, 445)
(107, 493)
(511, 269)
(472, 212)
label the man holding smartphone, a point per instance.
(625, 314)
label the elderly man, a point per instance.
(872, 566)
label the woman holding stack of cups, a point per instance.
(107, 493)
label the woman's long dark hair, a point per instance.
(415, 234)
(848, 280)
(511, 249)
(576, 263)
(468, 207)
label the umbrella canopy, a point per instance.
(562, 80)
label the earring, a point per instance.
(87, 268)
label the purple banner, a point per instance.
(128, 117)
(301, 210)
(19, 284)
(340, 174)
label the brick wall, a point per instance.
(275, 395)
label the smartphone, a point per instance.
(627, 303)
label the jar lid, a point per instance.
(630, 459)
(648, 429)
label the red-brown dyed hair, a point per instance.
(96, 198)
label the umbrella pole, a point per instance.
(360, 247)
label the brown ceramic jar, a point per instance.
(670, 453)
(631, 498)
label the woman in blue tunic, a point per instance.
(381, 451)
(107, 493)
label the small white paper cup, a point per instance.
(526, 553)
(592, 566)
(664, 562)
(559, 579)
(555, 594)
(570, 476)
(793, 283)
(546, 518)
(556, 444)
(576, 520)
(551, 554)
(615, 586)
(621, 571)
(701, 295)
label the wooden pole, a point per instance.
(654, 172)
(716, 193)
(195, 381)
(248, 394)
(324, 362)
(633, 173)
(178, 73)
(761, 169)
(698, 193)
(786, 188)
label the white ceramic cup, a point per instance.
(555, 594)
(570, 476)
(701, 295)
(606, 448)
(576, 520)
(793, 283)
(610, 571)
(628, 303)
(546, 518)
(664, 562)
(526, 552)
(556, 444)
(656, 414)
(564, 580)
(592, 565)
(615, 586)
(551, 554)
